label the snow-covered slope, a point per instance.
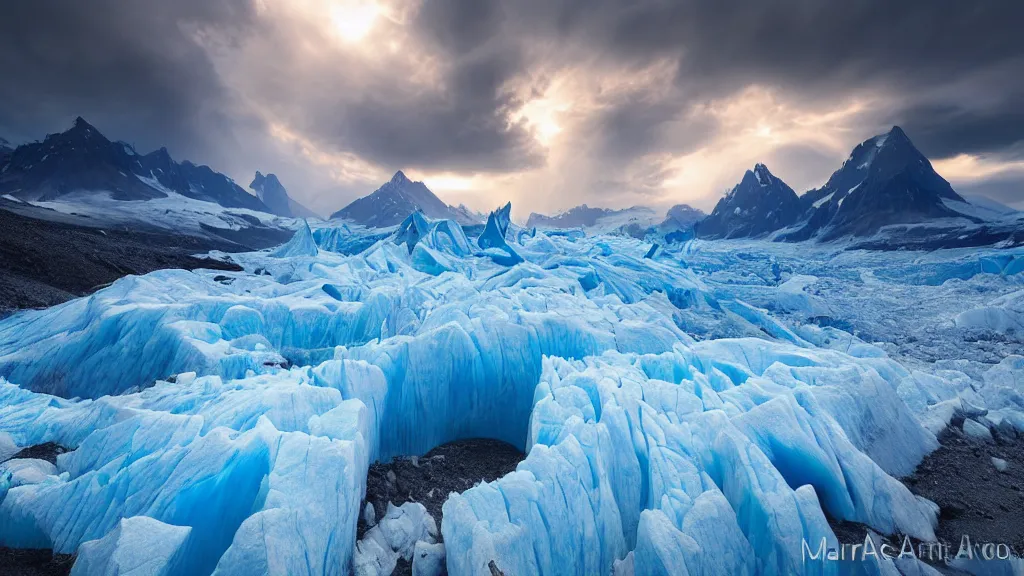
(706, 409)
(172, 212)
(396, 199)
(989, 204)
(272, 193)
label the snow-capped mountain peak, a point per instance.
(763, 175)
(82, 126)
(759, 204)
(82, 160)
(390, 204)
(270, 191)
(399, 178)
(885, 181)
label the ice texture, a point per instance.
(701, 408)
(138, 546)
(301, 244)
(428, 559)
(400, 533)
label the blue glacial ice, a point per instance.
(138, 545)
(701, 408)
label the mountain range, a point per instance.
(885, 181)
(82, 160)
(584, 216)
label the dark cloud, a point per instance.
(459, 26)
(981, 114)
(379, 113)
(947, 130)
(783, 40)
(636, 127)
(133, 68)
(462, 125)
(154, 72)
(821, 51)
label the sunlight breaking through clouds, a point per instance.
(546, 103)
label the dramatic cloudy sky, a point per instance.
(547, 103)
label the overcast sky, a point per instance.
(547, 103)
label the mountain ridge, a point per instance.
(270, 191)
(585, 216)
(886, 180)
(83, 160)
(393, 201)
(759, 204)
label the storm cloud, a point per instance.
(546, 102)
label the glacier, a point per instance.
(694, 408)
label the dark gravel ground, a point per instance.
(44, 262)
(974, 498)
(429, 479)
(16, 562)
(48, 451)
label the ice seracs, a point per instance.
(706, 408)
(402, 532)
(139, 545)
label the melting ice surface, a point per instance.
(699, 410)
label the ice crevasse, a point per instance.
(238, 436)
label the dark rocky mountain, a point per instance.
(81, 159)
(390, 204)
(885, 181)
(272, 193)
(5, 151)
(759, 205)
